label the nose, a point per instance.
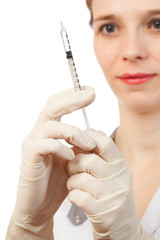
(134, 48)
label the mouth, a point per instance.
(134, 79)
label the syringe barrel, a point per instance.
(72, 67)
(74, 74)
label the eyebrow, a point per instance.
(114, 16)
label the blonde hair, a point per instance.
(89, 5)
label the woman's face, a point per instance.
(127, 46)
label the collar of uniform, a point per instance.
(151, 217)
(113, 134)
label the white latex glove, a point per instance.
(42, 184)
(101, 184)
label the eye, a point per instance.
(155, 23)
(108, 28)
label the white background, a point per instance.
(32, 68)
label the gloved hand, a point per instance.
(42, 184)
(101, 184)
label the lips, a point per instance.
(137, 78)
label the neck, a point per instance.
(138, 137)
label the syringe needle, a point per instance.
(62, 26)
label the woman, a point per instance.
(117, 182)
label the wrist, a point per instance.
(17, 231)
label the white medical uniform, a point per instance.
(65, 230)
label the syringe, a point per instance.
(72, 66)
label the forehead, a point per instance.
(123, 7)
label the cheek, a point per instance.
(152, 44)
(107, 56)
(156, 49)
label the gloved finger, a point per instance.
(105, 147)
(77, 150)
(81, 199)
(89, 204)
(93, 164)
(84, 182)
(99, 188)
(65, 103)
(71, 134)
(35, 151)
